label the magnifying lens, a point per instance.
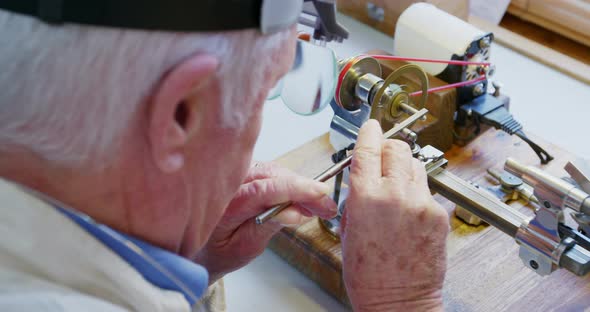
(309, 86)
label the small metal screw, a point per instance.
(478, 89)
(491, 70)
(497, 87)
(375, 12)
(534, 264)
(484, 42)
(547, 204)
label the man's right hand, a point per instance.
(394, 233)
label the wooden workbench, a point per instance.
(484, 270)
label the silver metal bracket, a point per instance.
(547, 243)
(540, 243)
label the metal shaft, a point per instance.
(410, 110)
(338, 167)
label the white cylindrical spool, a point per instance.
(425, 31)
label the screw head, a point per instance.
(509, 181)
(478, 89)
(491, 70)
(484, 42)
(534, 265)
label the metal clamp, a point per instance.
(511, 187)
(541, 247)
(546, 242)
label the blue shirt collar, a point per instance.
(158, 266)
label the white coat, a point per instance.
(49, 263)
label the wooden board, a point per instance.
(484, 270)
(546, 37)
(535, 51)
(571, 18)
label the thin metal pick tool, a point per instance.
(341, 165)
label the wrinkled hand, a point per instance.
(237, 239)
(394, 233)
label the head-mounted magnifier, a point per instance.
(309, 86)
(306, 89)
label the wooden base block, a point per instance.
(484, 270)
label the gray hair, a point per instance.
(68, 92)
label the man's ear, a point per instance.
(171, 115)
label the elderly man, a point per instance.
(127, 184)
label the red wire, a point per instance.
(423, 60)
(450, 86)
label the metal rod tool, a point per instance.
(338, 167)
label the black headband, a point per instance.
(171, 15)
(268, 16)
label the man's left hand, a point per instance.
(237, 239)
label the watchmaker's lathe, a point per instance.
(548, 239)
(547, 243)
(362, 93)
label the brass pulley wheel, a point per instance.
(387, 106)
(350, 71)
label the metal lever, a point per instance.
(512, 187)
(580, 172)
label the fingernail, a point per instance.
(286, 222)
(335, 213)
(332, 215)
(288, 218)
(275, 222)
(329, 211)
(324, 188)
(280, 224)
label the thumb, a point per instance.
(292, 216)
